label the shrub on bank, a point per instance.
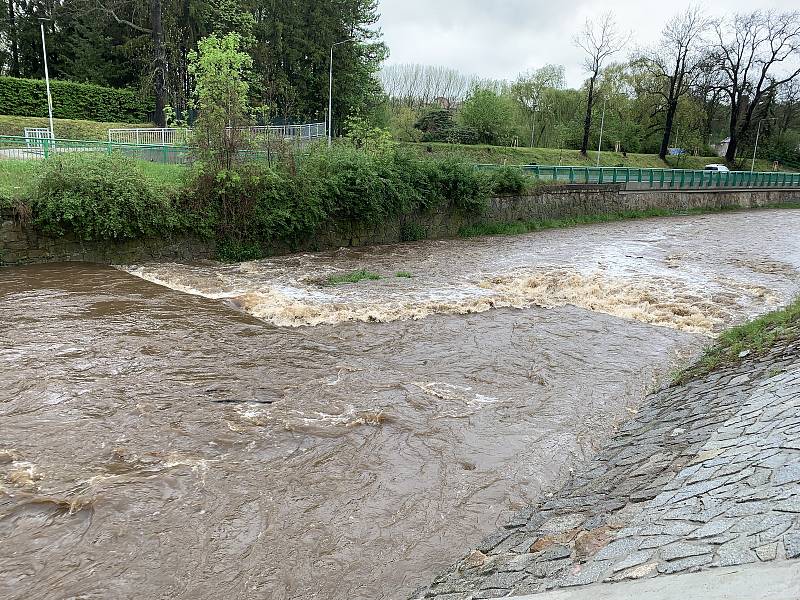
(509, 180)
(100, 197)
(253, 204)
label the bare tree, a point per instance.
(599, 40)
(749, 50)
(414, 85)
(675, 64)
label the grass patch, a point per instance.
(404, 274)
(520, 227)
(756, 337)
(353, 277)
(18, 178)
(66, 129)
(483, 154)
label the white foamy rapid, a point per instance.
(691, 274)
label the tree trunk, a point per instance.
(587, 123)
(672, 108)
(730, 154)
(159, 62)
(12, 33)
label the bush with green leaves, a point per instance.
(253, 205)
(100, 197)
(509, 180)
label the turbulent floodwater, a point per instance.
(158, 444)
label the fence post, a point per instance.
(46, 147)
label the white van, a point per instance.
(721, 168)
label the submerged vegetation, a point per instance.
(353, 277)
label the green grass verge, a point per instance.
(353, 277)
(521, 227)
(404, 274)
(551, 156)
(67, 129)
(18, 178)
(753, 338)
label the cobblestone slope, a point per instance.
(706, 475)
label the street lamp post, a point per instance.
(47, 78)
(330, 92)
(755, 149)
(602, 125)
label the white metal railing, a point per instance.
(170, 136)
(34, 136)
(151, 136)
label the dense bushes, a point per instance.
(509, 180)
(100, 197)
(252, 206)
(28, 98)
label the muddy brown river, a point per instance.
(248, 431)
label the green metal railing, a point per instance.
(640, 178)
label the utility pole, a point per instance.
(602, 125)
(755, 149)
(330, 92)
(47, 79)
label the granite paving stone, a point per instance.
(704, 475)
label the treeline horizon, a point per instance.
(704, 80)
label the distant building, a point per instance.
(722, 148)
(446, 103)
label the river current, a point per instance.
(267, 435)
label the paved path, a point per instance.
(776, 581)
(707, 475)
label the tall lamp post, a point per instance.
(602, 125)
(47, 78)
(330, 91)
(758, 134)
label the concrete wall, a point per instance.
(20, 244)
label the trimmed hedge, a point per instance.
(28, 98)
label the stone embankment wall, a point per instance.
(21, 244)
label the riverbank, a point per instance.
(545, 208)
(705, 475)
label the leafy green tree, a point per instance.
(489, 114)
(219, 70)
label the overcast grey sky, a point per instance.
(500, 38)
